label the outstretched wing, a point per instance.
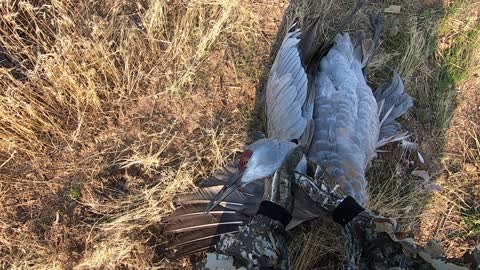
(289, 103)
(189, 229)
(393, 102)
(289, 108)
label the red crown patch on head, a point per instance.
(244, 160)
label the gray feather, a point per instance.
(394, 102)
(345, 118)
(189, 238)
(286, 91)
(307, 40)
(199, 222)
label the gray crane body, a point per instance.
(320, 99)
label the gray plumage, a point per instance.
(288, 86)
(345, 117)
(325, 104)
(393, 102)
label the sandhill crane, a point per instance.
(316, 96)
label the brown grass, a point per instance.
(109, 108)
(317, 244)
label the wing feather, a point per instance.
(289, 108)
(286, 92)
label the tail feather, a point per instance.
(393, 102)
(189, 238)
(394, 138)
(190, 249)
(190, 230)
(199, 222)
(206, 194)
(194, 210)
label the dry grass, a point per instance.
(109, 108)
(317, 244)
(454, 215)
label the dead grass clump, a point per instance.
(400, 196)
(110, 108)
(73, 69)
(317, 244)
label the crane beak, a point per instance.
(232, 185)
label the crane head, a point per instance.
(259, 160)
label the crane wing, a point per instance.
(190, 230)
(289, 103)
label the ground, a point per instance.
(110, 108)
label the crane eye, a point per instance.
(244, 158)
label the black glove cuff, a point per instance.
(275, 212)
(347, 210)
